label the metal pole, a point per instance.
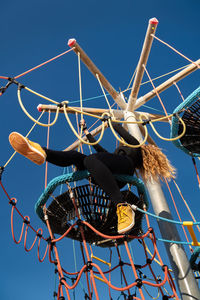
(179, 262)
(165, 85)
(142, 62)
(95, 71)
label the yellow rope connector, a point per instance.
(101, 260)
(189, 225)
(30, 117)
(99, 278)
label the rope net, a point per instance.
(190, 111)
(91, 273)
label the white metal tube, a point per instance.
(142, 62)
(165, 85)
(95, 71)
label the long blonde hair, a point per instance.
(155, 164)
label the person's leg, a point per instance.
(65, 158)
(102, 166)
(103, 177)
(31, 150)
(38, 155)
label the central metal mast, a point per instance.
(179, 262)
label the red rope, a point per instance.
(4, 77)
(176, 85)
(197, 174)
(193, 62)
(157, 94)
(121, 267)
(86, 274)
(52, 246)
(175, 206)
(42, 64)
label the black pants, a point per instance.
(101, 165)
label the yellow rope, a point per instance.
(84, 113)
(128, 87)
(34, 120)
(99, 117)
(170, 139)
(35, 124)
(135, 122)
(26, 136)
(154, 298)
(40, 95)
(95, 116)
(157, 261)
(142, 121)
(104, 94)
(116, 121)
(123, 142)
(77, 135)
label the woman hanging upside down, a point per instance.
(148, 159)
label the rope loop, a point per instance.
(122, 141)
(28, 115)
(77, 135)
(13, 201)
(171, 139)
(164, 267)
(26, 220)
(105, 117)
(39, 234)
(62, 279)
(62, 104)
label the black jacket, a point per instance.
(134, 153)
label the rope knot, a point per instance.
(20, 86)
(105, 118)
(1, 171)
(139, 282)
(146, 122)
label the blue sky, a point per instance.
(112, 34)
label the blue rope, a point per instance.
(101, 96)
(175, 122)
(80, 175)
(164, 219)
(174, 242)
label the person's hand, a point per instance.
(82, 124)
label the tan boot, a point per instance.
(31, 150)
